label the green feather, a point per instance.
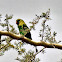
(23, 29)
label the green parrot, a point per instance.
(23, 29)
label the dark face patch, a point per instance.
(17, 22)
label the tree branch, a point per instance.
(40, 43)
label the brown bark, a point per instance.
(40, 43)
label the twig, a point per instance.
(39, 51)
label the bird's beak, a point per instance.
(16, 22)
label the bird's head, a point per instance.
(20, 22)
(17, 21)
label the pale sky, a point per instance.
(26, 10)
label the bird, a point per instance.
(23, 28)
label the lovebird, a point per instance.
(23, 28)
